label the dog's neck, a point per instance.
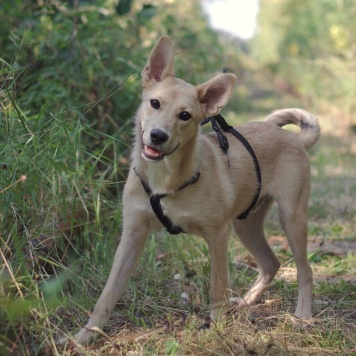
(169, 174)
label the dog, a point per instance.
(182, 179)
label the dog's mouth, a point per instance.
(152, 153)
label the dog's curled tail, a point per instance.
(310, 129)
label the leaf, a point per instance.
(146, 14)
(314, 257)
(123, 7)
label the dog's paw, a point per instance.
(218, 311)
(85, 336)
(239, 302)
(62, 341)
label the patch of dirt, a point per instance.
(317, 244)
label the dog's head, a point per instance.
(171, 109)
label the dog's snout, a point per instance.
(158, 137)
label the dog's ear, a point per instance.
(214, 94)
(160, 63)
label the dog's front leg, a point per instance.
(219, 274)
(126, 257)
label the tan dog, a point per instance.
(205, 189)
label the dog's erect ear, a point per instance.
(214, 94)
(160, 63)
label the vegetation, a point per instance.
(69, 87)
(311, 46)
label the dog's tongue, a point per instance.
(152, 152)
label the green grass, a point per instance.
(59, 230)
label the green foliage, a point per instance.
(70, 64)
(123, 7)
(311, 44)
(50, 184)
(77, 59)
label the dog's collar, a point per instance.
(219, 125)
(155, 200)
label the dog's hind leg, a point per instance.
(294, 222)
(250, 232)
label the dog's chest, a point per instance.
(175, 210)
(189, 213)
(181, 212)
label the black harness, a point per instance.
(220, 126)
(155, 201)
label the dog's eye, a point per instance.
(184, 116)
(155, 104)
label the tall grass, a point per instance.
(59, 196)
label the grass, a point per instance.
(60, 218)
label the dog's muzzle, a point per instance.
(153, 151)
(158, 137)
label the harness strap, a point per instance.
(224, 143)
(219, 125)
(155, 201)
(219, 121)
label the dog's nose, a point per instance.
(158, 137)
